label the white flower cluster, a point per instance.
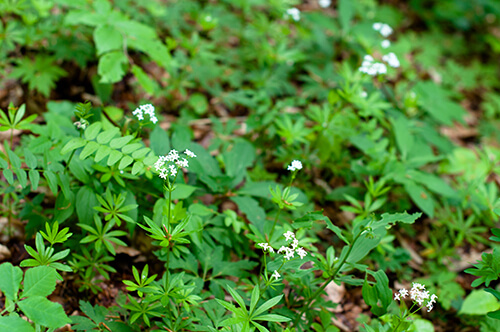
(418, 294)
(294, 13)
(295, 166)
(276, 275)
(324, 3)
(370, 67)
(289, 251)
(169, 164)
(384, 29)
(391, 59)
(148, 109)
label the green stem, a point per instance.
(279, 211)
(330, 279)
(274, 224)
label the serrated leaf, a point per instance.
(10, 279)
(15, 324)
(44, 312)
(111, 67)
(40, 280)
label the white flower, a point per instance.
(384, 29)
(276, 275)
(189, 153)
(289, 235)
(173, 170)
(363, 94)
(391, 59)
(372, 68)
(324, 3)
(182, 163)
(403, 292)
(294, 244)
(397, 297)
(148, 109)
(294, 13)
(301, 252)
(385, 43)
(295, 165)
(418, 294)
(377, 26)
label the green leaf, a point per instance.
(40, 280)
(126, 161)
(102, 153)
(30, 159)
(421, 197)
(138, 166)
(379, 296)
(107, 135)
(237, 297)
(183, 191)
(160, 143)
(10, 279)
(107, 38)
(73, 144)
(9, 176)
(250, 207)
(404, 135)
(51, 181)
(93, 130)
(148, 84)
(118, 143)
(34, 178)
(479, 302)
(114, 156)
(22, 177)
(129, 148)
(44, 312)
(90, 148)
(273, 318)
(267, 305)
(15, 324)
(111, 66)
(346, 13)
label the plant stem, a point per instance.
(330, 279)
(71, 156)
(274, 224)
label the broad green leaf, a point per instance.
(250, 207)
(129, 148)
(51, 181)
(114, 156)
(93, 130)
(404, 136)
(10, 279)
(346, 12)
(40, 280)
(138, 166)
(118, 143)
(102, 153)
(125, 162)
(107, 38)
(73, 144)
(479, 302)
(421, 197)
(148, 84)
(422, 325)
(8, 175)
(34, 179)
(15, 324)
(378, 296)
(183, 191)
(22, 177)
(90, 148)
(30, 159)
(44, 312)
(111, 66)
(160, 143)
(107, 135)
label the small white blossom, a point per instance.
(294, 13)
(276, 275)
(189, 153)
(418, 294)
(301, 252)
(324, 3)
(294, 244)
(391, 59)
(370, 67)
(363, 94)
(384, 29)
(148, 109)
(173, 170)
(289, 235)
(182, 163)
(385, 43)
(295, 165)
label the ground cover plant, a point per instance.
(249, 165)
